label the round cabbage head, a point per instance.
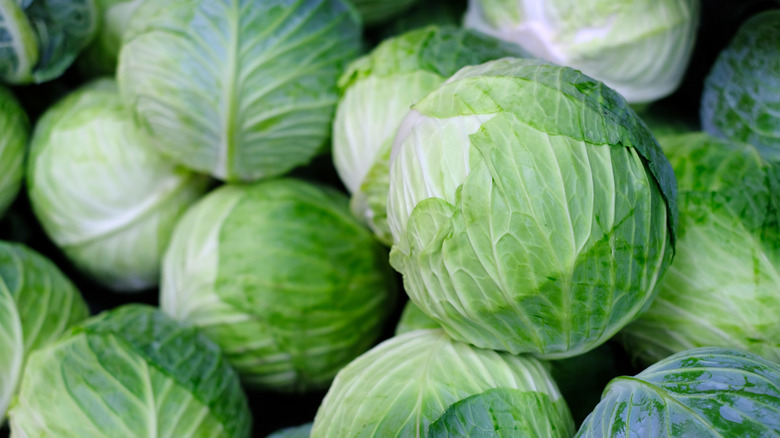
(531, 209)
(378, 90)
(103, 194)
(132, 371)
(702, 392)
(640, 48)
(406, 383)
(741, 97)
(42, 38)
(723, 288)
(241, 90)
(37, 305)
(282, 277)
(14, 132)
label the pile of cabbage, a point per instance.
(360, 218)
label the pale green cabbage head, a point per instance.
(406, 383)
(283, 278)
(103, 194)
(640, 48)
(531, 209)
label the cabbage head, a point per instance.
(42, 38)
(531, 209)
(242, 90)
(640, 48)
(126, 373)
(14, 133)
(378, 90)
(723, 287)
(103, 194)
(741, 96)
(37, 305)
(704, 392)
(403, 385)
(282, 277)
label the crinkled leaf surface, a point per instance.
(531, 209)
(701, 392)
(741, 97)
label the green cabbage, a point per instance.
(406, 383)
(640, 48)
(37, 305)
(723, 287)
(706, 392)
(282, 277)
(101, 191)
(130, 372)
(741, 96)
(531, 209)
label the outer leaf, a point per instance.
(502, 412)
(166, 380)
(14, 132)
(741, 97)
(19, 51)
(728, 254)
(115, 231)
(282, 277)
(37, 305)
(101, 56)
(702, 392)
(405, 383)
(240, 89)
